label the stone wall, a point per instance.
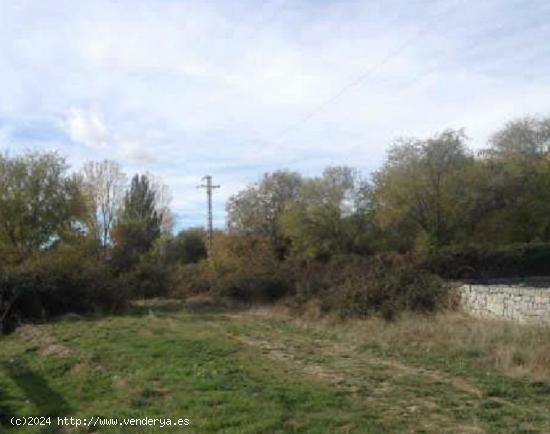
(526, 302)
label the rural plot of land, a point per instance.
(251, 372)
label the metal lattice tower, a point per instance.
(209, 225)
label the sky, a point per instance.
(235, 89)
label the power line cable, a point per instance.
(362, 77)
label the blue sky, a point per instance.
(237, 88)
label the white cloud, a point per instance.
(135, 152)
(88, 128)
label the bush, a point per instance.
(188, 247)
(132, 239)
(188, 280)
(363, 286)
(147, 279)
(315, 279)
(479, 263)
(245, 268)
(389, 293)
(62, 280)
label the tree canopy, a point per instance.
(39, 201)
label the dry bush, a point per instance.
(188, 280)
(244, 267)
(362, 286)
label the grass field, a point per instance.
(255, 372)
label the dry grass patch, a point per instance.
(44, 343)
(516, 350)
(512, 349)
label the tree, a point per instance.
(138, 224)
(40, 204)
(140, 205)
(513, 179)
(257, 209)
(419, 191)
(527, 137)
(328, 215)
(163, 198)
(511, 199)
(104, 184)
(39, 201)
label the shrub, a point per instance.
(475, 262)
(363, 286)
(390, 293)
(188, 280)
(64, 279)
(314, 279)
(132, 239)
(244, 267)
(187, 247)
(147, 279)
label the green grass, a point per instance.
(251, 374)
(177, 365)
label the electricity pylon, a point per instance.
(209, 225)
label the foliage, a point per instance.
(316, 279)
(64, 279)
(390, 287)
(480, 263)
(147, 278)
(519, 194)
(362, 246)
(163, 197)
(190, 279)
(331, 215)
(257, 209)
(131, 240)
(138, 225)
(527, 137)
(39, 201)
(363, 286)
(56, 229)
(140, 205)
(419, 190)
(245, 267)
(187, 247)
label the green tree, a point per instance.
(138, 224)
(39, 202)
(419, 191)
(511, 185)
(257, 209)
(330, 215)
(140, 205)
(510, 200)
